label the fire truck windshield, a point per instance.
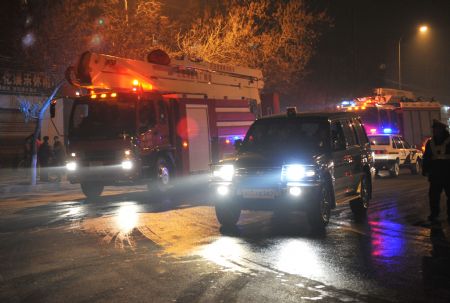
(102, 119)
(292, 134)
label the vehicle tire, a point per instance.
(227, 214)
(359, 206)
(394, 171)
(162, 181)
(416, 167)
(92, 189)
(319, 212)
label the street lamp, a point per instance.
(423, 29)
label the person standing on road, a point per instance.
(59, 156)
(44, 155)
(436, 166)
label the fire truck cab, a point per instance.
(138, 122)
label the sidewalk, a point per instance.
(18, 180)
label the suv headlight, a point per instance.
(223, 172)
(71, 165)
(296, 172)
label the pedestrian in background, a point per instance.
(59, 156)
(436, 166)
(44, 155)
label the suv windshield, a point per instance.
(287, 133)
(102, 119)
(379, 140)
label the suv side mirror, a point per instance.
(238, 144)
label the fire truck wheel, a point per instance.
(163, 176)
(394, 171)
(228, 214)
(415, 167)
(92, 189)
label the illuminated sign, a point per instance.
(14, 82)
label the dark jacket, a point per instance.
(44, 153)
(436, 169)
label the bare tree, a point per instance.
(278, 37)
(34, 111)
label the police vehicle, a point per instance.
(297, 161)
(392, 151)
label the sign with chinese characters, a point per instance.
(15, 82)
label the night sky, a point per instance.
(359, 53)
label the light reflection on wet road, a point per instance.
(380, 257)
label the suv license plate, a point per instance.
(260, 193)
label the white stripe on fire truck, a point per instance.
(235, 123)
(232, 109)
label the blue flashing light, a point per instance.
(387, 130)
(236, 138)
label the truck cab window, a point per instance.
(147, 116)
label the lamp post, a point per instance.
(423, 29)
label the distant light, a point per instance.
(96, 40)
(28, 40)
(423, 29)
(73, 154)
(103, 96)
(77, 93)
(93, 96)
(227, 141)
(113, 95)
(127, 152)
(185, 144)
(135, 82)
(387, 130)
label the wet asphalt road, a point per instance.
(133, 246)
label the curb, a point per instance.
(26, 188)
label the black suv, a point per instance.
(308, 162)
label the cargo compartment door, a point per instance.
(198, 137)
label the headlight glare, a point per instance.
(127, 164)
(296, 172)
(224, 172)
(71, 166)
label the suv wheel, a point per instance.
(227, 214)
(394, 171)
(359, 206)
(415, 167)
(92, 189)
(319, 212)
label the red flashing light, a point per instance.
(373, 130)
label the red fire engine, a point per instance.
(147, 122)
(395, 111)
